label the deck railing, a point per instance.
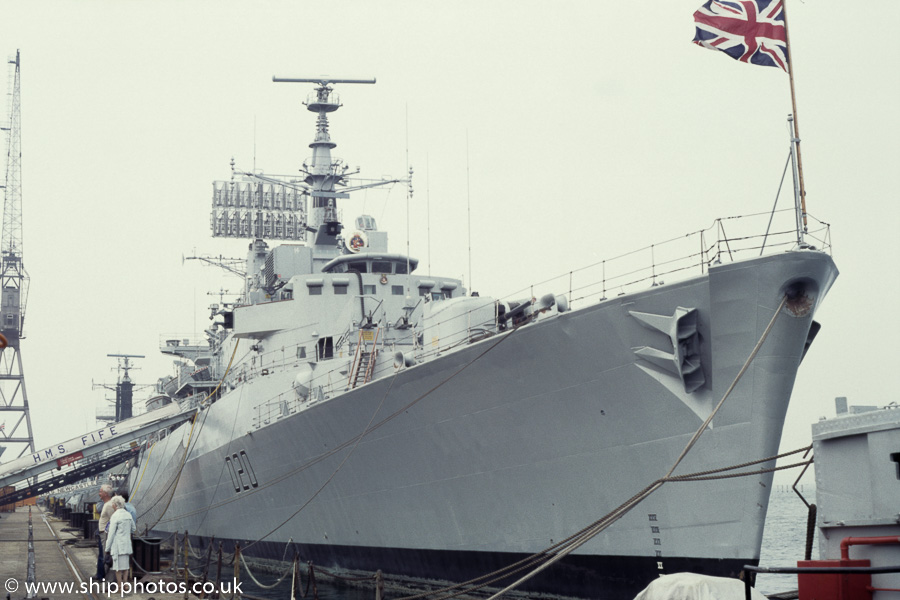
(726, 240)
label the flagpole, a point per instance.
(787, 37)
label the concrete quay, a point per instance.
(62, 564)
(49, 562)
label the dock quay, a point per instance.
(59, 563)
(30, 549)
(43, 555)
(50, 553)
(46, 556)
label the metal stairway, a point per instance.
(365, 358)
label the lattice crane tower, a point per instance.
(16, 436)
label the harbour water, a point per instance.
(784, 538)
(784, 543)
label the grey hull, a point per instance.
(504, 447)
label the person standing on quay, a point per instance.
(118, 542)
(105, 509)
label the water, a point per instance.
(784, 539)
(784, 543)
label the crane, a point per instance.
(15, 419)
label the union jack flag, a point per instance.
(751, 31)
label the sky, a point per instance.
(562, 133)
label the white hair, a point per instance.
(118, 501)
(106, 488)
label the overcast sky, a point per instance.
(576, 130)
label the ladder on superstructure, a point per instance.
(16, 437)
(364, 359)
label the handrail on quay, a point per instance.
(822, 570)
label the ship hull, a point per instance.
(505, 447)
(575, 576)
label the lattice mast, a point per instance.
(124, 389)
(15, 421)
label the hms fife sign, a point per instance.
(76, 445)
(93, 442)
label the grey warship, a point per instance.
(372, 417)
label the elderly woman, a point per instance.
(118, 540)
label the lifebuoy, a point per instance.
(3, 341)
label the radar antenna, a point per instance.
(259, 207)
(124, 389)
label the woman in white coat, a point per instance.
(118, 540)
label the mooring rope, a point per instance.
(546, 558)
(594, 529)
(557, 551)
(188, 447)
(523, 564)
(154, 543)
(347, 443)
(258, 582)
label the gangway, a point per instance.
(103, 464)
(92, 443)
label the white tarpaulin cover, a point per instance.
(691, 586)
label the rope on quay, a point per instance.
(290, 569)
(154, 543)
(144, 571)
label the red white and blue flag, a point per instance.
(751, 31)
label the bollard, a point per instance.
(146, 553)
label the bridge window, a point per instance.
(382, 266)
(369, 290)
(397, 290)
(315, 286)
(340, 285)
(359, 267)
